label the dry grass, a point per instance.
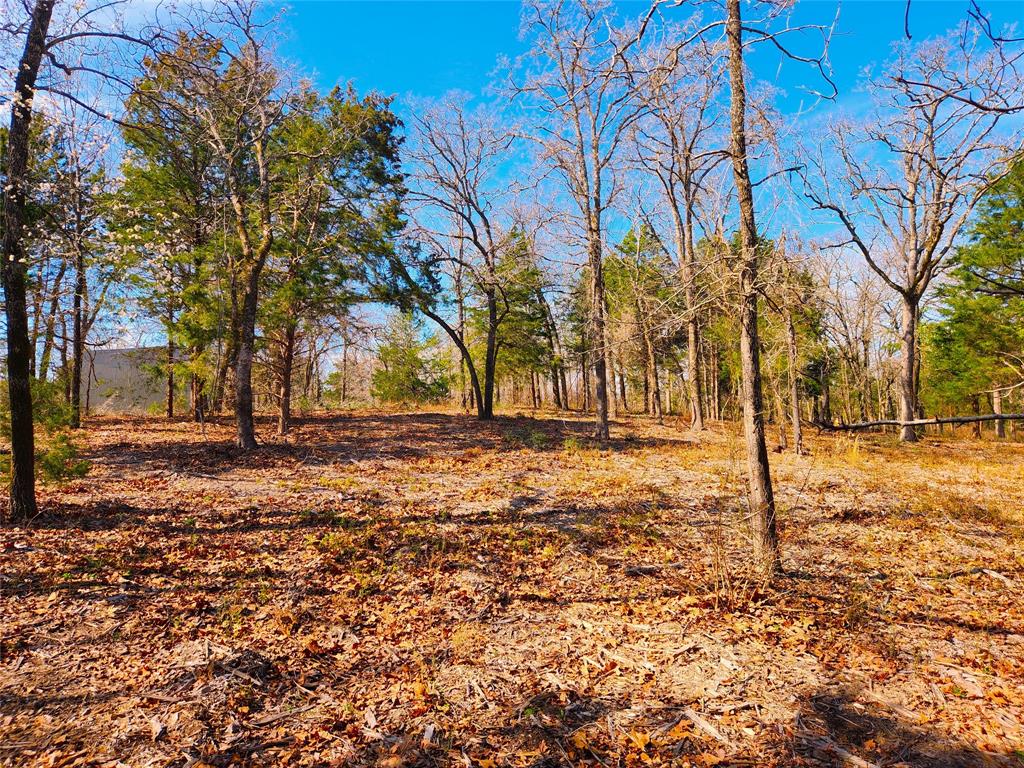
(418, 589)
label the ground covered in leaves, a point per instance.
(420, 590)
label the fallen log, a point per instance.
(920, 422)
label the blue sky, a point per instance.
(424, 48)
(427, 47)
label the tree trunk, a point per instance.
(622, 390)
(197, 397)
(229, 361)
(908, 370)
(716, 386)
(762, 500)
(826, 398)
(609, 364)
(652, 366)
(686, 252)
(976, 427)
(51, 323)
(170, 378)
(19, 349)
(308, 368)
(88, 382)
(491, 357)
(77, 337)
(597, 330)
(453, 334)
(65, 368)
(555, 348)
(460, 328)
(780, 415)
(344, 373)
(555, 389)
(284, 407)
(585, 383)
(997, 407)
(244, 421)
(794, 385)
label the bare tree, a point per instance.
(462, 213)
(577, 80)
(762, 499)
(903, 182)
(674, 144)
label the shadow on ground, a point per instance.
(359, 437)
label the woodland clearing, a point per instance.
(405, 589)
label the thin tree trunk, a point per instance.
(65, 368)
(622, 390)
(197, 397)
(464, 350)
(51, 322)
(170, 377)
(78, 336)
(826, 398)
(88, 382)
(716, 385)
(244, 421)
(585, 382)
(780, 414)
(307, 369)
(687, 256)
(555, 348)
(997, 407)
(38, 294)
(490, 358)
(460, 328)
(224, 383)
(597, 322)
(762, 500)
(344, 372)
(284, 408)
(613, 405)
(794, 385)
(652, 366)
(19, 350)
(908, 370)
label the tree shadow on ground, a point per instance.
(557, 729)
(839, 726)
(550, 729)
(317, 440)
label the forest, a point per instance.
(653, 398)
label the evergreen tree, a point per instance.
(411, 368)
(974, 350)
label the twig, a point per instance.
(268, 719)
(834, 751)
(921, 422)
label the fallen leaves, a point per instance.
(421, 590)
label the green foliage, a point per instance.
(993, 263)
(522, 328)
(57, 456)
(977, 341)
(339, 186)
(59, 459)
(410, 369)
(50, 408)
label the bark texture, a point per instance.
(762, 500)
